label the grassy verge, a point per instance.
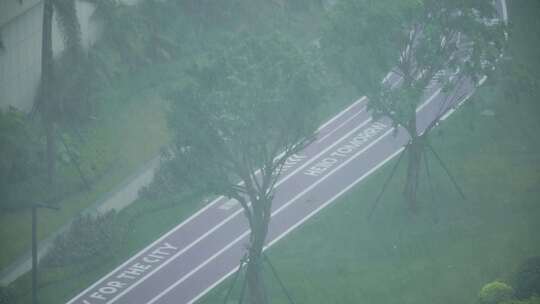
(114, 140)
(131, 129)
(443, 255)
(453, 246)
(59, 284)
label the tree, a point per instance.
(426, 44)
(20, 155)
(248, 107)
(53, 88)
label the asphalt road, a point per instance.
(185, 263)
(207, 247)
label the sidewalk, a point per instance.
(119, 198)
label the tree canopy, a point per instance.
(241, 109)
(247, 108)
(426, 44)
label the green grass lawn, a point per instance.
(59, 284)
(452, 247)
(115, 140)
(131, 128)
(447, 251)
(444, 254)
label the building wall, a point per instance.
(20, 61)
(10, 9)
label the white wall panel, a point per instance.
(20, 62)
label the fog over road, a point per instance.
(207, 247)
(195, 256)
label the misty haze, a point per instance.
(269, 151)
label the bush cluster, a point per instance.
(533, 300)
(21, 156)
(495, 292)
(527, 278)
(88, 237)
(525, 287)
(6, 295)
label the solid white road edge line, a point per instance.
(230, 217)
(183, 250)
(190, 218)
(452, 110)
(361, 99)
(138, 254)
(182, 279)
(212, 204)
(304, 219)
(425, 103)
(333, 198)
(341, 125)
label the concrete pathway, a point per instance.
(119, 198)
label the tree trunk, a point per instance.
(414, 162)
(415, 151)
(254, 272)
(46, 105)
(51, 151)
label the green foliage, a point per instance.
(249, 106)
(450, 277)
(127, 38)
(532, 300)
(526, 279)
(517, 78)
(360, 38)
(244, 105)
(61, 83)
(71, 91)
(20, 155)
(89, 237)
(6, 295)
(66, 16)
(495, 292)
(426, 43)
(136, 36)
(70, 76)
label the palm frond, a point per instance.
(70, 29)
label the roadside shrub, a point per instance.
(6, 295)
(526, 279)
(88, 237)
(533, 300)
(495, 292)
(19, 147)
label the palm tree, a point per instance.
(48, 102)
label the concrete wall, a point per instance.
(21, 58)
(20, 61)
(9, 9)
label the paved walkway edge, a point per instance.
(120, 197)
